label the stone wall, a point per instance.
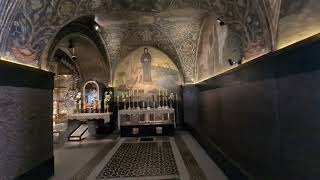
(25, 122)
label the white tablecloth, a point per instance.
(89, 116)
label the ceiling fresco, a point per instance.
(299, 19)
(27, 27)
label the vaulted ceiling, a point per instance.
(29, 27)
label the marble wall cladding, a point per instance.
(25, 129)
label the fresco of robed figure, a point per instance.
(146, 69)
(146, 63)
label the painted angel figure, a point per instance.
(78, 102)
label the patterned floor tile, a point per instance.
(141, 160)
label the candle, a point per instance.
(166, 92)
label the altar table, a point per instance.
(84, 117)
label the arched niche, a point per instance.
(90, 92)
(129, 73)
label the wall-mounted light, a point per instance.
(232, 62)
(221, 22)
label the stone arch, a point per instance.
(101, 67)
(83, 26)
(34, 24)
(62, 56)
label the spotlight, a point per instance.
(221, 23)
(74, 58)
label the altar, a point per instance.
(88, 124)
(146, 122)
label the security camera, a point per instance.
(231, 62)
(74, 58)
(220, 21)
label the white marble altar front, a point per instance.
(146, 117)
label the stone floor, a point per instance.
(178, 157)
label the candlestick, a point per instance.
(124, 99)
(129, 102)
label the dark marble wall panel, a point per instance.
(25, 129)
(248, 112)
(243, 126)
(190, 104)
(264, 116)
(299, 103)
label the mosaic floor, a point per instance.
(141, 159)
(150, 158)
